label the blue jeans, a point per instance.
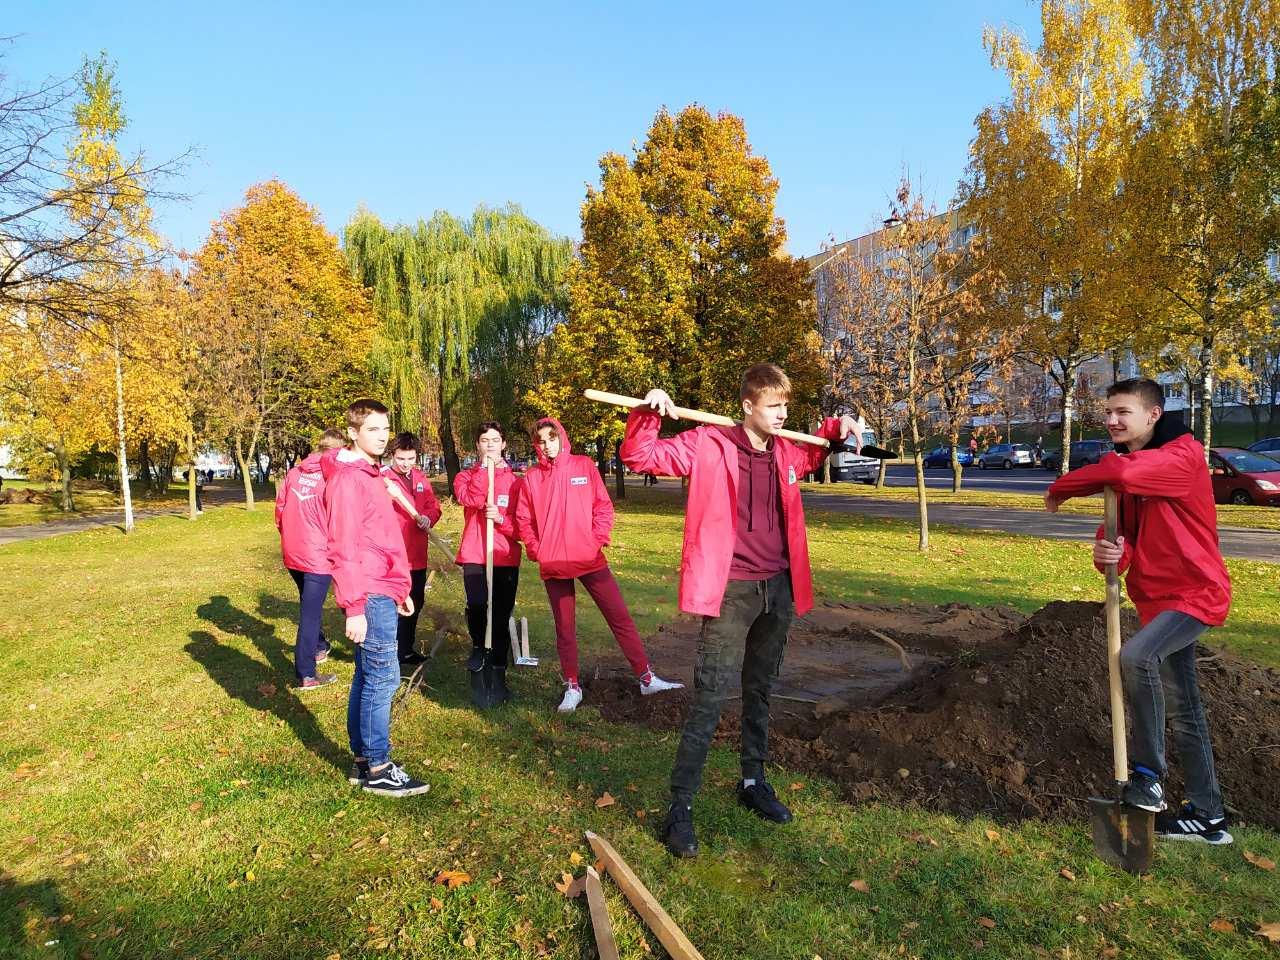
(374, 684)
(1158, 664)
(312, 589)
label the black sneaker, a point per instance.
(1145, 793)
(1189, 824)
(475, 662)
(359, 773)
(391, 781)
(413, 659)
(760, 799)
(677, 832)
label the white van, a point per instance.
(846, 467)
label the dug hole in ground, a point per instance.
(999, 714)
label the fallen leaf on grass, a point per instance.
(993, 836)
(605, 800)
(575, 858)
(797, 786)
(249, 876)
(861, 886)
(437, 903)
(196, 807)
(469, 942)
(453, 879)
(1222, 926)
(1259, 861)
(1110, 953)
(565, 882)
(1066, 874)
(922, 838)
(986, 922)
(267, 689)
(1270, 931)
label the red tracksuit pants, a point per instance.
(604, 591)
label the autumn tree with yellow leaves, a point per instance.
(1045, 185)
(681, 280)
(285, 329)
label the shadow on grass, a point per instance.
(275, 608)
(30, 923)
(257, 685)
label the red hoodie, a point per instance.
(417, 488)
(563, 513)
(708, 456)
(471, 489)
(301, 518)
(365, 548)
(1168, 522)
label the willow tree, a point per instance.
(459, 303)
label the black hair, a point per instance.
(1148, 391)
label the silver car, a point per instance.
(1006, 456)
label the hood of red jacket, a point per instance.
(563, 455)
(332, 461)
(312, 462)
(1167, 428)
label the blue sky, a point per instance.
(409, 108)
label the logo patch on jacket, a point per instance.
(503, 500)
(419, 486)
(578, 481)
(791, 474)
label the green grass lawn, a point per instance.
(167, 795)
(1229, 515)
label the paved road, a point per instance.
(1019, 480)
(1236, 541)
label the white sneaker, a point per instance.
(657, 685)
(572, 697)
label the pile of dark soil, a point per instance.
(1011, 723)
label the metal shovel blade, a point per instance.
(1123, 836)
(484, 685)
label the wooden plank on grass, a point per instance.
(605, 945)
(651, 912)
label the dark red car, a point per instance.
(1240, 476)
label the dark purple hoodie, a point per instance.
(760, 549)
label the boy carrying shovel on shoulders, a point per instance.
(1168, 546)
(744, 568)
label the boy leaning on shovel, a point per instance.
(744, 568)
(1168, 548)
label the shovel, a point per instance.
(1123, 836)
(485, 691)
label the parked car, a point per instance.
(848, 467)
(1270, 446)
(1089, 451)
(1241, 476)
(941, 457)
(1051, 460)
(1006, 456)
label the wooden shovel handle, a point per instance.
(488, 567)
(698, 416)
(1119, 744)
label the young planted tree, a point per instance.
(282, 321)
(1045, 185)
(456, 299)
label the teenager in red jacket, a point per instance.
(564, 516)
(1167, 547)
(744, 568)
(371, 583)
(413, 483)
(471, 490)
(302, 522)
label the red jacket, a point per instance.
(1168, 522)
(709, 459)
(301, 518)
(365, 548)
(564, 514)
(471, 489)
(417, 488)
